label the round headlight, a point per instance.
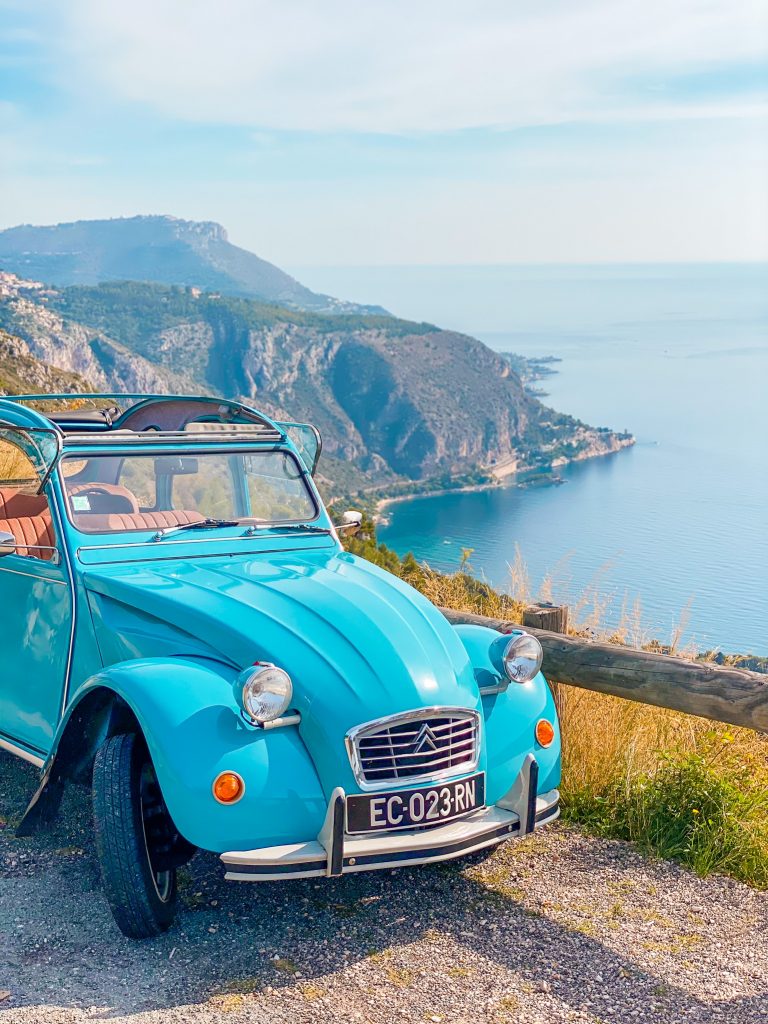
(265, 691)
(522, 657)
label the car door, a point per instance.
(35, 602)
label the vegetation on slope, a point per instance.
(135, 312)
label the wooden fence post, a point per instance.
(547, 616)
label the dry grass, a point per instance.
(16, 468)
(607, 739)
(464, 593)
(680, 786)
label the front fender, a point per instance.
(194, 730)
(511, 717)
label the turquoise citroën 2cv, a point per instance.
(184, 632)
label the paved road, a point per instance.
(559, 927)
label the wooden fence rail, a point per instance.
(723, 694)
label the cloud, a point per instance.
(409, 67)
(338, 132)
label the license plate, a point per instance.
(413, 808)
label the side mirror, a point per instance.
(351, 521)
(7, 543)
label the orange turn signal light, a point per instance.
(228, 787)
(545, 732)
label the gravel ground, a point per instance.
(557, 927)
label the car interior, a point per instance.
(114, 507)
(28, 518)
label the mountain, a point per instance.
(393, 399)
(158, 248)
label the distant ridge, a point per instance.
(161, 249)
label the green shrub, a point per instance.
(706, 810)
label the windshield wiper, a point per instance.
(300, 527)
(202, 524)
(210, 524)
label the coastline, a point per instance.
(383, 503)
(505, 480)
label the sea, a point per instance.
(666, 540)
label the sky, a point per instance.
(340, 133)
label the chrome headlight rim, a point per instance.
(264, 691)
(522, 657)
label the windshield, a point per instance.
(110, 492)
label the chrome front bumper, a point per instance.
(335, 853)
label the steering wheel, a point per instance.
(114, 491)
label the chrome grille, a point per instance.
(428, 744)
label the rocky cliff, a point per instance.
(21, 373)
(393, 399)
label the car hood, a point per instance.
(358, 643)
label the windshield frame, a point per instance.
(146, 450)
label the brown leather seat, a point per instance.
(32, 534)
(95, 523)
(28, 518)
(15, 504)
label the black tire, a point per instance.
(133, 835)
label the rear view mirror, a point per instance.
(176, 465)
